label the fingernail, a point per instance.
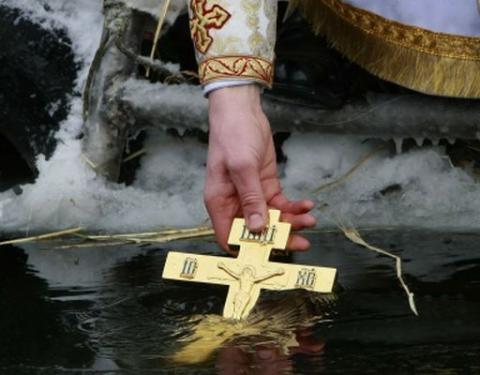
(309, 204)
(265, 354)
(255, 222)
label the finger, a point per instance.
(298, 243)
(299, 222)
(221, 222)
(221, 208)
(246, 179)
(281, 202)
(222, 226)
(308, 347)
(266, 353)
(222, 218)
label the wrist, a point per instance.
(234, 98)
(224, 83)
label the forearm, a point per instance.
(234, 42)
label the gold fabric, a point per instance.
(430, 62)
(234, 39)
(237, 67)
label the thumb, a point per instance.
(246, 179)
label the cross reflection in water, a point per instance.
(281, 326)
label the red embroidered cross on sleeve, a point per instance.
(205, 19)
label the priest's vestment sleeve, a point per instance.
(430, 46)
(234, 39)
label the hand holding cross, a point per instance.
(251, 271)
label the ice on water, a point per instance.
(425, 190)
(168, 186)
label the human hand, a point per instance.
(242, 175)
(265, 359)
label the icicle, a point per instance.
(419, 141)
(435, 141)
(451, 141)
(398, 145)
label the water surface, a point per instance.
(107, 310)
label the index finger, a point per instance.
(222, 222)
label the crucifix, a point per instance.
(251, 271)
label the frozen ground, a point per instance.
(168, 189)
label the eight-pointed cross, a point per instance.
(205, 19)
(251, 271)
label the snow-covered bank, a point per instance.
(417, 188)
(168, 188)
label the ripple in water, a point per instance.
(122, 315)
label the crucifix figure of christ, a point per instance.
(251, 271)
(247, 279)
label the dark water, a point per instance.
(107, 310)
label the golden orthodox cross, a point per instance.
(251, 271)
(205, 19)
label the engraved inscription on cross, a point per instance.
(251, 271)
(203, 20)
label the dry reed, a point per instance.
(161, 20)
(353, 235)
(350, 172)
(47, 236)
(88, 240)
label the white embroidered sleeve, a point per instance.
(234, 39)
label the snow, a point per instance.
(428, 191)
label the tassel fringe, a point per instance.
(419, 59)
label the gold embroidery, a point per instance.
(232, 67)
(228, 45)
(439, 44)
(270, 10)
(420, 59)
(257, 42)
(203, 20)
